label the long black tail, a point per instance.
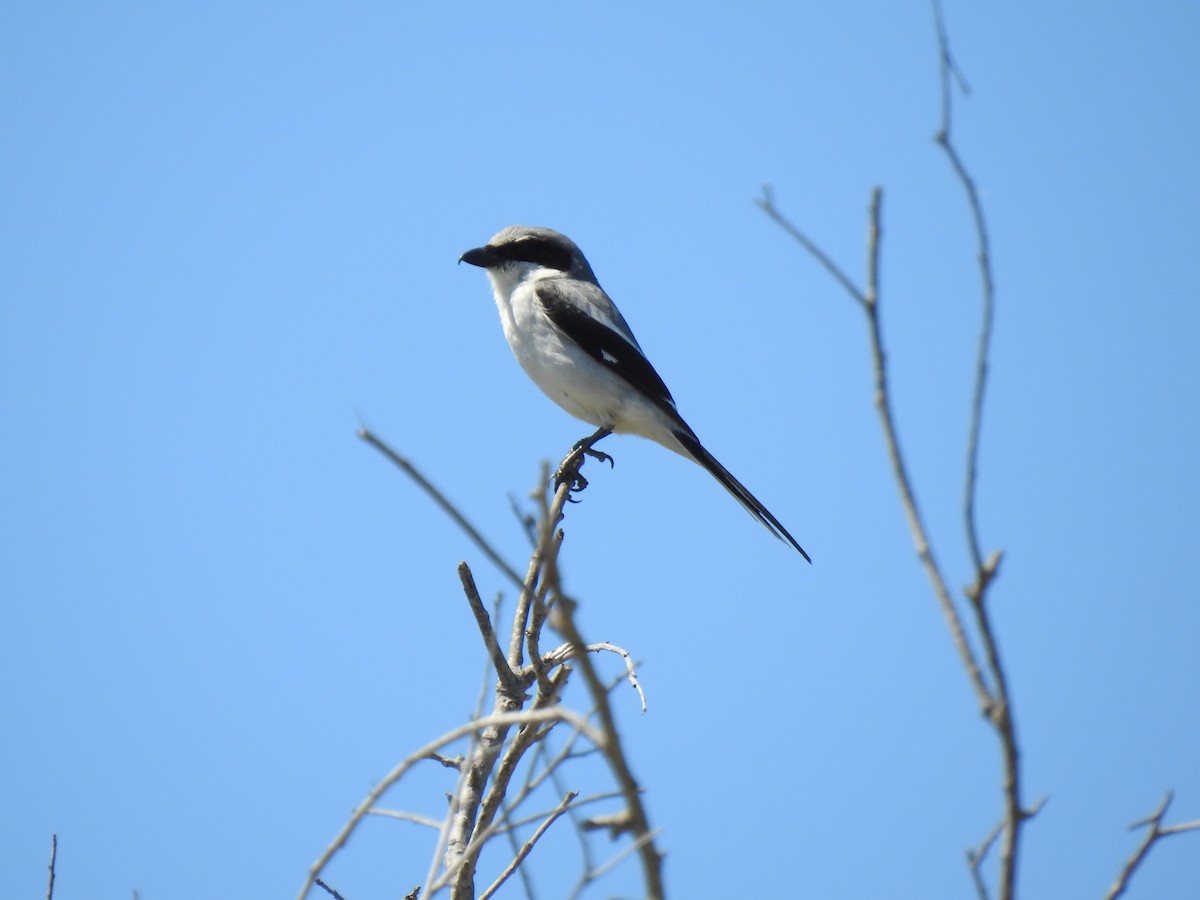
(735, 487)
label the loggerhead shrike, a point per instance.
(571, 339)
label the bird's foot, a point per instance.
(568, 470)
(568, 473)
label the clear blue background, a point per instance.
(229, 231)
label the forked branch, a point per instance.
(489, 791)
(1155, 831)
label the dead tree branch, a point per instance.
(490, 788)
(1155, 831)
(869, 299)
(53, 855)
(444, 504)
(988, 679)
(528, 845)
(552, 714)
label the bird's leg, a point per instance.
(568, 470)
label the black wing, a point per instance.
(600, 340)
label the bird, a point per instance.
(574, 344)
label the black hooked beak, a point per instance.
(484, 257)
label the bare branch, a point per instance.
(611, 746)
(593, 798)
(487, 825)
(985, 571)
(551, 714)
(949, 68)
(870, 300)
(533, 575)
(404, 816)
(916, 524)
(991, 689)
(483, 802)
(534, 778)
(528, 845)
(639, 845)
(437, 857)
(767, 204)
(450, 762)
(469, 834)
(563, 653)
(541, 581)
(1154, 833)
(336, 896)
(616, 824)
(461, 847)
(976, 855)
(1193, 825)
(53, 855)
(443, 837)
(440, 499)
(512, 684)
(525, 738)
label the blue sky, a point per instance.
(230, 234)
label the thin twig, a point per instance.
(643, 841)
(440, 499)
(514, 824)
(405, 816)
(528, 845)
(988, 293)
(977, 855)
(529, 585)
(563, 653)
(336, 896)
(1155, 832)
(526, 880)
(985, 570)
(53, 855)
(767, 204)
(451, 762)
(949, 66)
(508, 679)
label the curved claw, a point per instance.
(600, 456)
